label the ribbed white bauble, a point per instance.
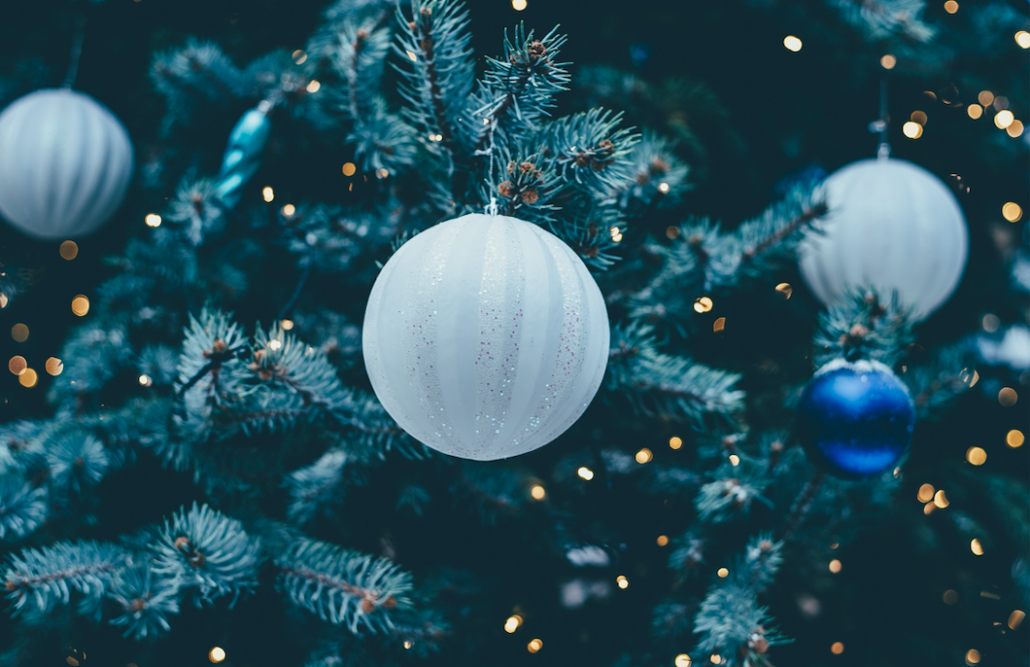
(485, 337)
(65, 164)
(893, 225)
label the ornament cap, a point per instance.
(491, 208)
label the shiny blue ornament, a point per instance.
(243, 154)
(855, 419)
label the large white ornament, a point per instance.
(65, 164)
(893, 225)
(485, 337)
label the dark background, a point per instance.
(784, 112)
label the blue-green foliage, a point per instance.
(146, 599)
(344, 587)
(22, 508)
(39, 579)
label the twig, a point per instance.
(807, 216)
(76, 52)
(803, 504)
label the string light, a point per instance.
(289, 210)
(644, 455)
(975, 111)
(1007, 397)
(69, 250)
(534, 645)
(313, 86)
(267, 193)
(1023, 39)
(662, 540)
(734, 460)
(286, 324)
(54, 366)
(513, 623)
(837, 648)
(976, 547)
(912, 130)
(785, 289)
(585, 473)
(349, 168)
(682, 660)
(985, 97)
(663, 188)
(1014, 438)
(518, 5)
(80, 305)
(716, 658)
(972, 656)
(950, 596)
(951, 6)
(622, 581)
(888, 61)
(216, 654)
(940, 500)
(299, 57)
(537, 492)
(152, 220)
(926, 492)
(275, 344)
(1011, 211)
(675, 442)
(1016, 619)
(792, 43)
(1015, 129)
(407, 644)
(976, 455)
(616, 234)
(1003, 119)
(723, 573)
(28, 378)
(703, 304)
(20, 333)
(835, 566)
(17, 364)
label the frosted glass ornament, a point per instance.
(65, 164)
(485, 337)
(893, 225)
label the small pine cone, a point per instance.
(390, 602)
(362, 34)
(536, 49)
(10, 585)
(505, 189)
(139, 604)
(265, 374)
(643, 179)
(426, 12)
(776, 447)
(78, 462)
(182, 543)
(411, 24)
(606, 147)
(582, 160)
(759, 645)
(858, 331)
(368, 606)
(530, 195)
(527, 167)
(765, 545)
(659, 167)
(590, 251)
(511, 168)
(219, 346)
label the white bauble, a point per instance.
(485, 337)
(892, 225)
(65, 164)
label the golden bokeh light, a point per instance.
(80, 305)
(17, 364)
(836, 648)
(20, 333)
(152, 220)
(518, 5)
(719, 324)
(734, 460)
(912, 130)
(663, 188)
(976, 547)
(69, 250)
(513, 623)
(974, 111)
(217, 654)
(1015, 129)
(723, 573)
(622, 581)
(537, 492)
(888, 61)
(1023, 39)
(675, 442)
(928, 508)
(586, 473)
(682, 660)
(1003, 119)
(289, 210)
(835, 566)
(785, 289)
(792, 43)
(662, 540)
(951, 6)
(54, 366)
(267, 193)
(313, 86)
(950, 596)
(28, 378)
(145, 380)
(703, 304)
(3, 300)
(1014, 438)
(972, 656)
(918, 117)
(1007, 397)
(672, 232)
(1016, 619)
(1012, 211)
(926, 492)
(536, 644)
(287, 325)
(985, 97)
(299, 56)
(940, 500)
(644, 455)
(349, 169)
(976, 455)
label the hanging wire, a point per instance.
(76, 52)
(884, 150)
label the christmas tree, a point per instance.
(195, 468)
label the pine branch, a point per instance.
(22, 508)
(48, 575)
(863, 326)
(146, 600)
(343, 587)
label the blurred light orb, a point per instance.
(792, 43)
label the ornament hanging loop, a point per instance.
(491, 208)
(76, 52)
(883, 151)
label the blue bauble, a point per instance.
(855, 419)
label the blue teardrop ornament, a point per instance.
(243, 155)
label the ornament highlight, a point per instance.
(855, 419)
(892, 225)
(65, 164)
(485, 337)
